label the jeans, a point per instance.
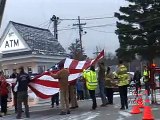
(55, 99)
(80, 95)
(22, 97)
(123, 96)
(109, 94)
(4, 103)
(102, 91)
(93, 97)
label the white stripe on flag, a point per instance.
(44, 89)
(92, 62)
(80, 64)
(67, 62)
(73, 76)
(47, 78)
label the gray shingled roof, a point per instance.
(41, 41)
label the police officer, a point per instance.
(123, 84)
(146, 79)
(91, 84)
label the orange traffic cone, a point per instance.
(140, 104)
(147, 115)
(135, 110)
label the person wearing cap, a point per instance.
(62, 76)
(22, 82)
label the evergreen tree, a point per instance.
(75, 51)
(138, 30)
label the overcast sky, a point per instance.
(38, 12)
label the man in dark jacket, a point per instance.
(23, 80)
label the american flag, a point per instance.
(44, 86)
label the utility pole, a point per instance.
(80, 31)
(2, 6)
(55, 19)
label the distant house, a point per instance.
(34, 48)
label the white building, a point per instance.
(33, 48)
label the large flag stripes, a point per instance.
(44, 86)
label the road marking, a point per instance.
(155, 109)
(120, 118)
(126, 114)
(91, 117)
(84, 116)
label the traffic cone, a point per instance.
(140, 101)
(147, 101)
(135, 110)
(147, 115)
(140, 104)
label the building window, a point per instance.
(41, 69)
(29, 70)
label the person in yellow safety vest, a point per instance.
(123, 84)
(91, 84)
(146, 79)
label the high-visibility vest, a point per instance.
(91, 79)
(145, 75)
(108, 80)
(123, 76)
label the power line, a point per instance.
(100, 25)
(89, 27)
(44, 23)
(99, 30)
(49, 24)
(96, 18)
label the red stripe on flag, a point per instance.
(45, 73)
(74, 64)
(39, 94)
(47, 83)
(87, 64)
(101, 55)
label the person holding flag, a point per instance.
(62, 76)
